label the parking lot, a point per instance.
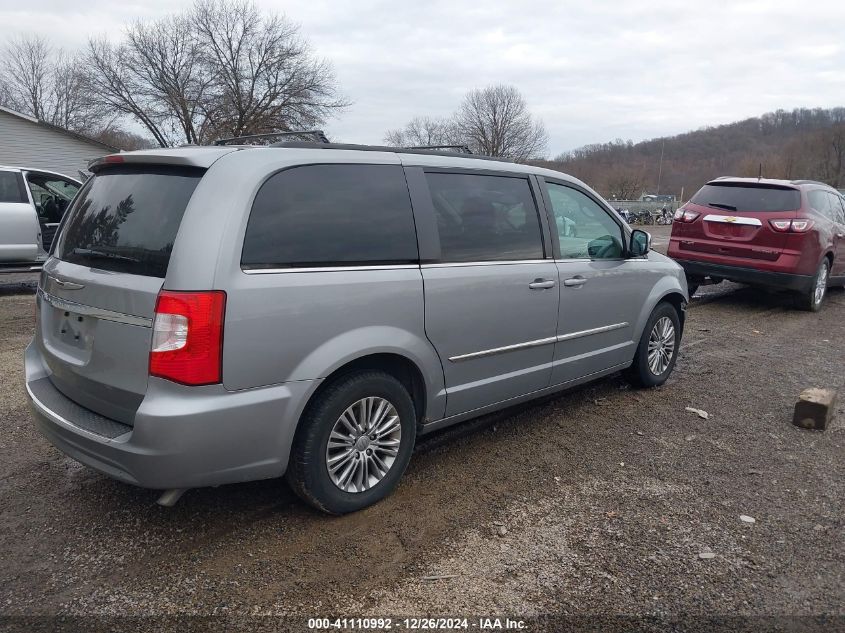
(602, 500)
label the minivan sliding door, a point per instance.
(491, 296)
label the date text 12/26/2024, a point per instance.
(420, 624)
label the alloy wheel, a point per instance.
(821, 284)
(661, 345)
(363, 444)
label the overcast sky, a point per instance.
(591, 70)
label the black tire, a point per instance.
(640, 372)
(308, 473)
(807, 300)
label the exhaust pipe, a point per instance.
(169, 498)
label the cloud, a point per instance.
(592, 71)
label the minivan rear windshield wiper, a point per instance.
(94, 254)
(719, 205)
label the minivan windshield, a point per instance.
(731, 196)
(126, 218)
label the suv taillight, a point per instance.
(683, 215)
(187, 342)
(791, 226)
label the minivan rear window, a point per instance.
(747, 197)
(125, 219)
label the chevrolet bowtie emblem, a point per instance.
(730, 218)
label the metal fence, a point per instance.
(636, 206)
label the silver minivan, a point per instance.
(211, 315)
(32, 203)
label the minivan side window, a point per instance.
(485, 218)
(585, 230)
(331, 215)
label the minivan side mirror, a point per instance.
(640, 243)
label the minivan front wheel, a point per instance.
(811, 300)
(658, 348)
(354, 443)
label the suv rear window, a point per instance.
(748, 197)
(331, 215)
(125, 219)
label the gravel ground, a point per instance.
(601, 501)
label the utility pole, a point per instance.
(660, 167)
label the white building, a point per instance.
(27, 142)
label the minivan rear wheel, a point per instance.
(811, 299)
(353, 443)
(658, 348)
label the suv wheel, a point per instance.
(354, 443)
(811, 300)
(658, 348)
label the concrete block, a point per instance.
(814, 408)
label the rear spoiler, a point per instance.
(202, 157)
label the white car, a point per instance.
(32, 203)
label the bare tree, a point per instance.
(834, 157)
(265, 77)
(109, 77)
(495, 121)
(220, 69)
(424, 130)
(48, 84)
(27, 71)
(624, 184)
(118, 137)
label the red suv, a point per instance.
(786, 234)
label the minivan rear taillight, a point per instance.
(187, 342)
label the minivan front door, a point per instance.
(601, 292)
(491, 299)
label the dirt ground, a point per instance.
(600, 501)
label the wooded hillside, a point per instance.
(803, 143)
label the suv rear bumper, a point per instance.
(752, 276)
(183, 437)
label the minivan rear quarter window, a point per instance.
(125, 219)
(747, 197)
(331, 215)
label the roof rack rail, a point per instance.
(463, 149)
(383, 148)
(318, 135)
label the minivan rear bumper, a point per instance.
(182, 437)
(751, 276)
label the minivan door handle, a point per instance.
(541, 284)
(574, 282)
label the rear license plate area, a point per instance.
(730, 231)
(71, 330)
